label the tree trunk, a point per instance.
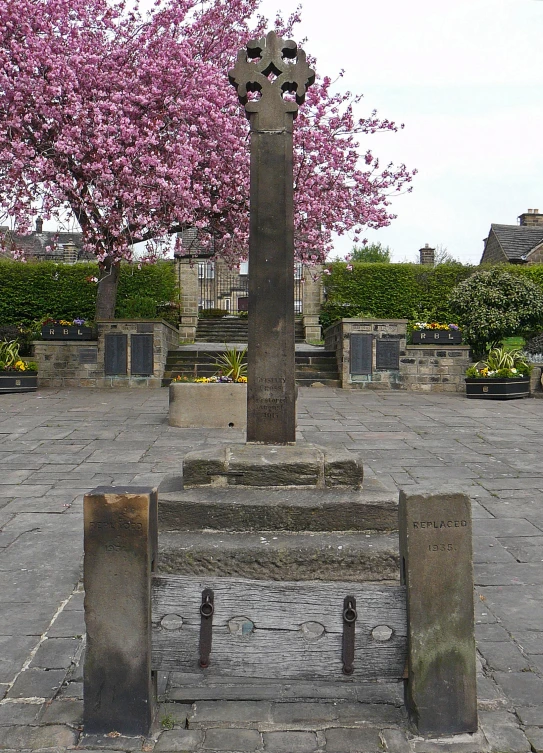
(107, 289)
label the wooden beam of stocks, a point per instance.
(278, 629)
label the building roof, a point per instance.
(517, 241)
(35, 244)
(192, 245)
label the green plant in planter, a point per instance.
(494, 304)
(501, 364)
(10, 359)
(231, 364)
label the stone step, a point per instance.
(311, 366)
(274, 555)
(372, 508)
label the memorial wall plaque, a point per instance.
(88, 355)
(115, 362)
(360, 354)
(387, 354)
(141, 355)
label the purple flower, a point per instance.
(454, 326)
(79, 322)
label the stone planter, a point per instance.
(436, 337)
(68, 332)
(498, 389)
(209, 406)
(18, 381)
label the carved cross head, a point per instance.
(271, 66)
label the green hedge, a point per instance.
(390, 291)
(31, 291)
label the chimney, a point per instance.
(70, 253)
(531, 218)
(427, 255)
(39, 225)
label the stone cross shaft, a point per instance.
(271, 67)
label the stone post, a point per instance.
(271, 66)
(312, 300)
(437, 570)
(188, 291)
(120, 552)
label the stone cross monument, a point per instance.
(272, 67)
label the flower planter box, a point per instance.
(18, 381)
(498, 389)
(212, 405)
(437, 337)
(68, 332)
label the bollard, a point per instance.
(120, 552)
(437, 570)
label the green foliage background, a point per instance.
(33, 290)
(391, 291)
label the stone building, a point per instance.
(63, 246)
(516, 244)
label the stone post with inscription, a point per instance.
(120, 551)
(437, 570)
(271, 66)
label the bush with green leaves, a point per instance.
(29, 292)
(494, 304)
(390, 291)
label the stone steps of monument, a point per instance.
(233, 330)
(229, 330)
(274, 555)
(311, 367)
(313, 510)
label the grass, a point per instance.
(513, 343)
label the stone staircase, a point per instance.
(233, 329)
(312, 366)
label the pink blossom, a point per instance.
(128, 123)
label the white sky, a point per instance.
(466, 79)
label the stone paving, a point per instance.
(57, 445)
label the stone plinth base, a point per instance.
(212, 405)
(272, 465)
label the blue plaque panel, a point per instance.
(141, 355)
(116, 347)
(360, 354)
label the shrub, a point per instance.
(494, 304)
(31, 291)
(390, 291)
(139, 307)
(212, 313)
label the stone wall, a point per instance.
(69, 363)
(428, 368)
(419, 368)
(187, 277)
(338, 339)
(493, 252)
(313, 296)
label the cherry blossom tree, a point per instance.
(127, 122)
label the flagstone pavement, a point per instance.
(55, 445)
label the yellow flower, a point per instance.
(20, 365)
